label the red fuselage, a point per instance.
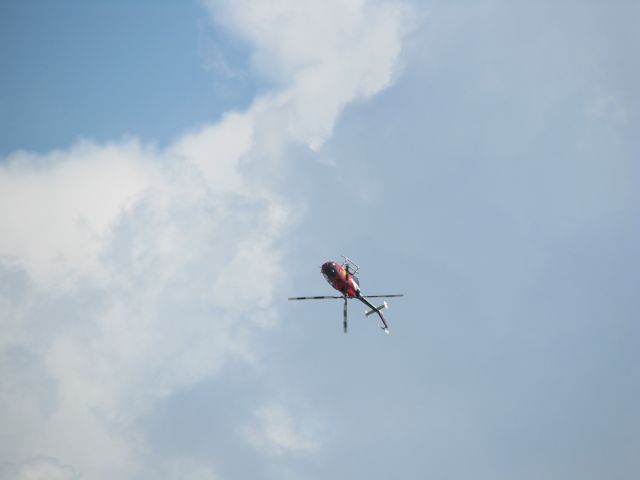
(337, 276)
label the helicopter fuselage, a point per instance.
(338, 277)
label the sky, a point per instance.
(171, 172)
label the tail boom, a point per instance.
(377, 310)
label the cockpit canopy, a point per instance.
(329, 271)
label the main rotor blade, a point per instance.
(385, 296)
(344, 324)
(314, 298)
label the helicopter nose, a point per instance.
(328, 269)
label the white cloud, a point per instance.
(324, 54)
(57, 209)
(141, 311)
(133, 271)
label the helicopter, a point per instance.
(343, 278)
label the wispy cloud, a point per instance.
(275, 431)
(608, 108)
(38, 468)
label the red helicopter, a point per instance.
(342, 278)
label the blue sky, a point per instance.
(86, 61)
(170, 174)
